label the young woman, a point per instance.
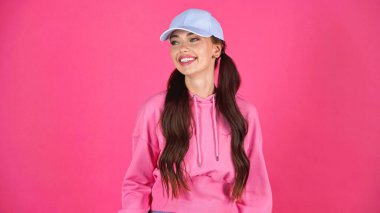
(197, 147)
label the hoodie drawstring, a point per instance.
(216, 141)
(215, 131)
(199, 157)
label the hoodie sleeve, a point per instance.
(139, 179)
(258, 194)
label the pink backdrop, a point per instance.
(74, 73)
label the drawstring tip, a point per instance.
(217, 158)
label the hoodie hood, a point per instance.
(196, 100)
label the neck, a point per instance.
(203, 85)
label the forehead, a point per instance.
(177, 33)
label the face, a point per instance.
(191, 53)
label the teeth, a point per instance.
(186, 59)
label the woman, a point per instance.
(197, 147)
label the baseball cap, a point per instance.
(197, 21)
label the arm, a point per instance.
(138, 180)
(258, 194)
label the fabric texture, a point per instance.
(208, 162)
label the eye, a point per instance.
(173, 42)
(194, 39)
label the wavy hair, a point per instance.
(176, 119)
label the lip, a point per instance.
(186, 56)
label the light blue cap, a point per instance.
(197, 21)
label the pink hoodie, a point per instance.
(208, 162)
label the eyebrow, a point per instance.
(175, 35)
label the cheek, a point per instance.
(205, 51)
(173, 55)
(205, 54)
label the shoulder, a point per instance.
(154, 101)
(152, 105)
(248, 109)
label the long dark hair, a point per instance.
(176, 120)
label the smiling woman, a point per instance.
(197, 147)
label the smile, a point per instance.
(186, 60)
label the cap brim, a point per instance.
(165, 35)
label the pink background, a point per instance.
(74, 73)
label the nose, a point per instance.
(184, 47)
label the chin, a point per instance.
(185, 72)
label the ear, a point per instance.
(217, 48)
